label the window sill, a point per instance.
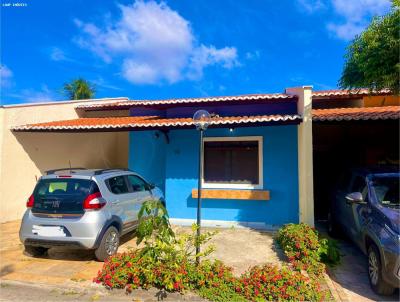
(232, 194)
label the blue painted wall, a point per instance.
(180, 172)
(147, 155)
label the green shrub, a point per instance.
(211, 279)
(167, 261)
(329, 252)
(271, 283)
(301, 245)
(305, 250)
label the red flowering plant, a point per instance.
(271, 283)
(303, 247)
(165, 260)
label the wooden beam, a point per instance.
(232, 194)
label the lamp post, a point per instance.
(201, 120)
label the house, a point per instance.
(258, 149)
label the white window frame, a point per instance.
(259, 139)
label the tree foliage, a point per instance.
(372, 59)
(79, 89)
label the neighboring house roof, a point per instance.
(333, 93)
(356, 114)
(322, 94)
(63, 102)
(148, 122)
(219, 99)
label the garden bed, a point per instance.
(168, 261)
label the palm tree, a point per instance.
(79, 89)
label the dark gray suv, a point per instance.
(366, 207)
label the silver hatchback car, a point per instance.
(81, 208)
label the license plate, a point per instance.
(48, 231)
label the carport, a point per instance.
(350, 137)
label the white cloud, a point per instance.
(351, 16)
(253, 55)
(345, 31)
(5, 76)
(204, 56)
(56, 54)
(100, 82)
(356, 16)
(356, 10)
(154, 43)
(311, 6)
(35, 96)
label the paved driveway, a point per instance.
(351, 276)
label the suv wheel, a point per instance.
(375, 272)
(35, 251)
(108, 245)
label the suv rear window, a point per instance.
(62, 196)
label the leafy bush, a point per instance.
(167, 261)
(211, 279)
(271, 283)
(305, 250)
(330, 253)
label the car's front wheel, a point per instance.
(109, 244)
(35, 251)
(375, 272)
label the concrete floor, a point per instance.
(351, 276)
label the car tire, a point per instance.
(35, 251)
(108, 245)
(378, 285)
(333, 229)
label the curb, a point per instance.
(338, 293)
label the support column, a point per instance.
(305, 153)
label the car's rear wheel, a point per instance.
(375, 272)
(109, 244)
(35, 251)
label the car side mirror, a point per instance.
(354, 197)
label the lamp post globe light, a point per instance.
(201, 120)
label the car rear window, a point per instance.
(62, 195)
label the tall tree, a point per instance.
(79, 89)
(372, 59)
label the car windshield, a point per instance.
(386, 189)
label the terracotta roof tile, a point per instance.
(115, 123)
(345, 92)
(348, 114)
(132, 103)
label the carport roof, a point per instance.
(148, 122)
(350, 114)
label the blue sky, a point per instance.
(176, 48)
